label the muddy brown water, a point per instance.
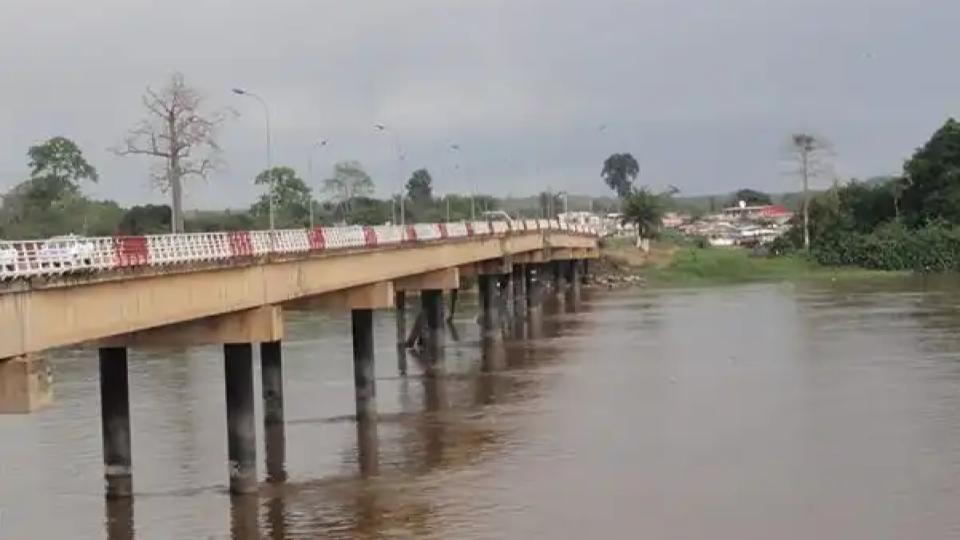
(788, 411)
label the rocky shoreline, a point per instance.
(608, 273)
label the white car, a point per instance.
(68, 251)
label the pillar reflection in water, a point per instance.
(244, 517)
(119, 519)
(368, 447)
(276, 517)
(434, 404)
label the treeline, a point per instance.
(910, 222)
(51, 202)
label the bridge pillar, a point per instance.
(363, 372)
(241, 425)
(557, 276)
(400, 302)
(271, 375)
(519, 289)
(489, 306)
(431, 302)
(115, 422)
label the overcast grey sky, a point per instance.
(703, 92)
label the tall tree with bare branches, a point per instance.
(808, 151)
(176, 131)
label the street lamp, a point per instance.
(396, 141)
(317, 144)
(266, 115)
(473, 210)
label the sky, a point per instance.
(536, 93)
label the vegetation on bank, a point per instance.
(678, 263)
(911, 222)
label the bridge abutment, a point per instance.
(115, 422)
(241, 425)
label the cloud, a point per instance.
(704, 92)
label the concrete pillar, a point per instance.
(241, 425)
(400, 302)
(507, 299)
(271, 375)
(115, 422)
(557, 276)
(489, 306)
(530, 287)
(26, 384)
(519, 290)
(431, 302)
(272, 378)
(364, 381)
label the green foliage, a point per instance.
(932, 187)
(933, 248)
(226, 220)
(644, 209)
(751, 197)
(291, 198)
(420, 187)
(147, 219)
(60, 161)
(619, 172)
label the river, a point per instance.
(788, 411)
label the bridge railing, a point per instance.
(76, 255)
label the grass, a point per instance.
(672, 265)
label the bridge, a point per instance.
(231, 288)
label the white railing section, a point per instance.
(75, 254)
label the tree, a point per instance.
(619, 172)
(349, 181)
(57, 166)
(751, 197)
(147, 219)
(644, 209)
(808, 152)
(291, 197)
(180, 134)
(419, 187)
(550, 204)
(932, 190)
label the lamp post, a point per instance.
(396, 141)
(473, 210)
(266, 115)
(317, 144)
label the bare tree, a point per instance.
(808, 151)
(176, 131)
(349, 182)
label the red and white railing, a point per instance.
(74, 254)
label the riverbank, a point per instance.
(667, 263)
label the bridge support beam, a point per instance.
(363, 368)
(241, 425)
(271, 376)
(115, 423)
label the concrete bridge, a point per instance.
(231, 288)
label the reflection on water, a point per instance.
(821, 410)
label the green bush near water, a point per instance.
(730, 265)
(933, 248)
